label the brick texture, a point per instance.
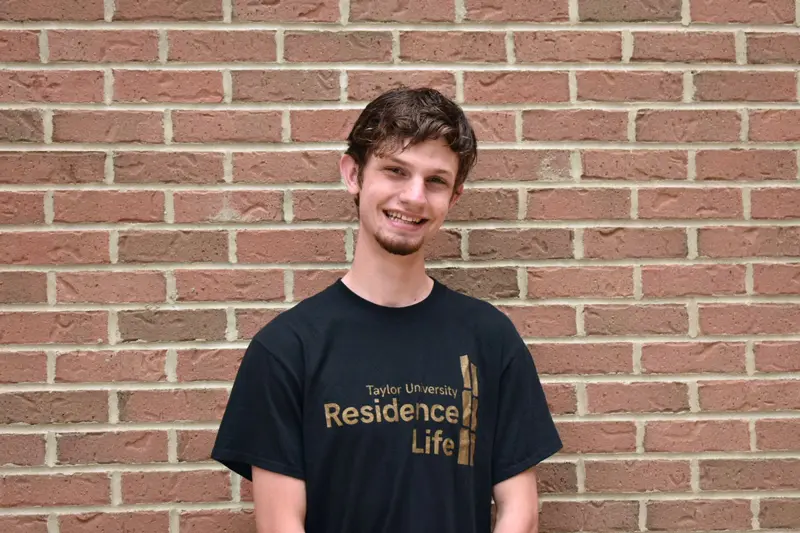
(169, 183)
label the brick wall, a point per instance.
(169, 183)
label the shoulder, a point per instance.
(479, 315)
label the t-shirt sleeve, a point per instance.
(262, 422)
(525, 433)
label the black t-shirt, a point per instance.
(397, 419)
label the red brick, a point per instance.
(764, 48)
(108, 126)
(290, 246)
(693, 357)
(781, 125)
(777, 356)
(223, 520)
(326, 206)
(623, 243)
(734, 474)
(748, 241)
(597, 437)
(743, 319)
(493, 126)
(309, 282)
(578, 204)
(226, 126)
(777, 435)
(286, 86)
(19, 45)
(779, 513)
(129, 522)
(224, 285)
(228, 206)
(620, 86)
(57, 86)
(108, 206)
(23, 367)
(172, 406)
(168, 86)
(744, 11)
(364, 85)
(24, 524)
(111, 287)
(684, 47)
(84, 327)
(63, 247)
(316, 166)
(250, 321)
(567, 46)
(643, 397)
(638, 165)
(173, 246)
(208, 365)
(542, 320)
(24, 10)
(485, 204)
(158, 487)
(214, 46)
(637, 476)
(561, 398)
(22, 450)
(775, 203)
(517, 10)
(286, 11)
(445, 244)
(163, 167)
(169, 326)
(515, 87)
(338, 47)
(23, 287)
(749, 396)
(51, 168)
(557, 478)
(697, 515)
(572, 282)
(402, 11)
(135, 447)
(21, 208)
(776, 279)
(483, 283)
(111, 366)
(327, 125)
(522, 165)
(565, 516)
(700, 436)
(53, 408)
(453, 46)
(688, 126)
(55, 490)
(488, 244)
(692, 280)
(195, 445)
(577, 125)
(561, 358)
(103, 46)
(745, 86)
(21, 126)
(629, 11)
(188, 10)
(625, 319)
(746, 165)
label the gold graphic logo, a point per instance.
(469, 410)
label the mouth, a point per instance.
(401, 220)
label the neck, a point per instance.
(387, 279)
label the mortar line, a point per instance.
(344, 82)
(686, 13)
(288, 285)
(163, 47)
(465, 244)
(751, 428)
(740, 45)
(511, 54)
(749, 279)
(344, 12)
(688, 87)
(51, 363)
(227, 11)
(171, 366)
(109, 8)
(44, 46)
(627, 46)
(460, 11)
(172, 445)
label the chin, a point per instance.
(401, 247)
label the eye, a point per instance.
(395, 170)
(438, 181)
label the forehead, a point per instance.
(431, 154)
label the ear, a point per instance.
(456, 195)
(349, 171)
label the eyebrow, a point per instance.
(435, 171)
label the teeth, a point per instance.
(398, 216)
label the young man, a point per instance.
(388, 403)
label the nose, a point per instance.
(413, 192)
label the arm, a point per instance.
(279, 502)
(517, 502)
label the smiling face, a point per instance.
(404, 196)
